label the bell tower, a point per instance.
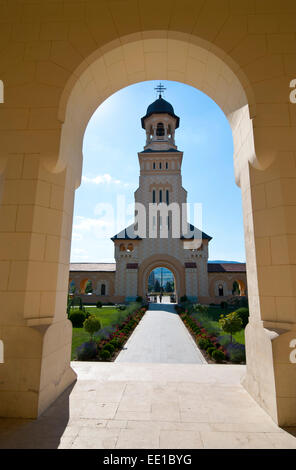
(162, 235)
(160, 123)
(160, 162)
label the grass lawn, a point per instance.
(106, 316)
(211, 323)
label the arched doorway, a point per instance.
(238, 288)
(161, 285)
(86, 286)
(55, 158)
(169, 263)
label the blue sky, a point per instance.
(111, 171)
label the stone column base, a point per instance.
(270, 374)
(36, 368)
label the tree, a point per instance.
(169, 287)
(243, 313)
(231, 323)
(91, 325)
(157, 286)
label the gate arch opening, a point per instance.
(161, 286)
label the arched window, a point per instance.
(153, 165)
(122, 247)
(151, 132)
(130, 247)
(160, 165)
(160, 195)
(167, 197)
(160, 129)
(103, 289)
(166, 165)
(153, 196)
(220, 290)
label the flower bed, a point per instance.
(208, 343)
(108, 348)
(215, 345)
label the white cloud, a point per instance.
(76, 236)
(101, 228)
(106, 178)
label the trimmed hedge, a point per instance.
(77, 318)
(105, 355)
(218, 355)
(204, 343)
(109, 347)
(243, 313)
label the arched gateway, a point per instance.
(161, 232)
(245, 70)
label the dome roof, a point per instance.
(160, 106)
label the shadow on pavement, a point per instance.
(44, 432)
(163, 307)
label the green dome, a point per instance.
(160, 106)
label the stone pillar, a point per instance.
(202, 277)
(269, 207)
(131, 282)
(36, 222)
(190, 281)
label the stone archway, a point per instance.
(165, 261)
(41, 166)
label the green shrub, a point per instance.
(77, 318)
(115, 343)
(210, 350)
(86, 351)
(139, 299)
(218, 355)
(105, 354)
(109, 347)
(92, 324)
(244, 315)
(99, 304)
(184, 298)
(204, 343)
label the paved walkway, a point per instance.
(150, 406)
(161, 337)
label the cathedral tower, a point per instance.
(161, 235)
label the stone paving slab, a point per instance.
(150, 406)
(161, 337)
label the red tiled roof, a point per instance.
(227, 267)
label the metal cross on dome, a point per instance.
(160, 89)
